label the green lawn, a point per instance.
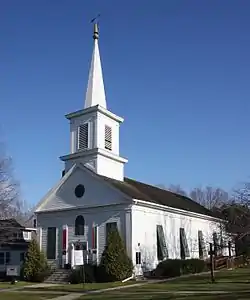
(229, 285)
(6, 285)
(81, 288)
(26, 296)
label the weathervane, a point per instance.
(95, 21)
(96, 18)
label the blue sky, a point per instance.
(177, 71)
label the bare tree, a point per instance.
(242, 194)
(177, 189)
(11, 205)
(209, 197)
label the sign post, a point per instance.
(211, 253)
(79, 262)
(13, 272)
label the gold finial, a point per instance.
(96, 32)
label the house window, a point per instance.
(20, 235)
(7, 258)
(183, 244)
(108, 137)
(2, 262)
(27, 235)
(162, 251)
(22, 256)
(34, 223)
(202, 246)
(109, 228)
(83, 136)
(79, 225)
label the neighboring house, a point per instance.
(93, 197)
(14, 241)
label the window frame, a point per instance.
(79, 227)
(7, 257)
(28, 237)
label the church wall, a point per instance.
(144, 222)
(110, 168)
(97, 193)
(98, 216)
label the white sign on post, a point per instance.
(12, 271)
(78, 258)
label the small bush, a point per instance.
(177, 267)
(76, 275)
(193, 266)
(115, 263)
(168, 268)
(35, 267)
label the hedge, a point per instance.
(178, 267)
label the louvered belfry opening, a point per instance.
(108, 137)
(83, 136)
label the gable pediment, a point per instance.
(81, 187)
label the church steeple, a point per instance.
(94, 131)
(95, 94)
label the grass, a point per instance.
(26, 296)
(230, 285)
(82, 288)
(7, 285)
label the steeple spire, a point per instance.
(95, 94)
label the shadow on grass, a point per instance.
(167, 296)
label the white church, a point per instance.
(94, 196)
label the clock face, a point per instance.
(79, 190)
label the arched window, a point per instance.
(79, 225)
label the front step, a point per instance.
(59, 276)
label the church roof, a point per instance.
(142, 191)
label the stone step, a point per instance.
(59, 276)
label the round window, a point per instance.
(79, 190)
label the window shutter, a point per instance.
(94, 237)
(161, 243)
(51, 243)
(216, 243)
(184, 245)
(108, 137)
(202, 245)
(83, 136)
